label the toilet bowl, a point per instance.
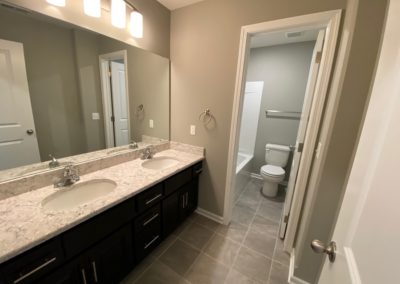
(272, 176)
(276, 157)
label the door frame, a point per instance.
(330, 20)
(104, 60)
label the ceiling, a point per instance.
(176, 4)
(278, 38)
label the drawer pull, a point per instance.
(83, 276)
(198, 171)
(151, 219)
(23, 277)
(151, 242)
(153, 199)
(94, 272)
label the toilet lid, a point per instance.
(272, 170)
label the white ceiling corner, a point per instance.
(176, 4)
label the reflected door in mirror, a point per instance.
(120, 104)
(18, 143)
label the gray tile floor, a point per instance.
(203, 251)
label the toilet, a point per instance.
(276, 157)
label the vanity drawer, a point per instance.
(175, 182)
(33, 264)
(197, 169)
(97, 228)
(146, 220)
(147, 240)
(149, 197)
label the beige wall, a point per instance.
(204, 50)
(354, 98)
(52, 83)
(156, 22)
(284, 70)
(88, 72)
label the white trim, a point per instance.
(210, 215)
(352, 265)
(106, 92)
(329, 20)
(310, 142)
(291, 278)
(256, 176)
(327, 125)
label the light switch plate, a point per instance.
(151, 123)
(95, 116)
(192, 129)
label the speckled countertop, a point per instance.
(25, 224)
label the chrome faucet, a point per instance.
(53, 163)
(70, 176)
(148, 153)
(133, 145)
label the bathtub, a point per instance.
(243, 169)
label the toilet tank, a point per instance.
(276, 155)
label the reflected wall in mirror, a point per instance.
(66, 91)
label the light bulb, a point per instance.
(92, 8)
(136, 24)
(60, 3)
(118, 13)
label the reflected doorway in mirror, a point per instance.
(114, 78)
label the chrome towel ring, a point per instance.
(206, 116)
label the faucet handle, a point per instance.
(133, 145)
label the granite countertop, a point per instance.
(25, 224)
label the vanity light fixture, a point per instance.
(92, 8)
(136, 24)
(118, 13)
(59, 3)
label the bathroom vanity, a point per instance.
(100, 241)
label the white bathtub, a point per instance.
(242, 160)
(243, 169)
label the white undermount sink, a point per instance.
(159, 163)
(78, 194)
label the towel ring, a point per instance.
(206, 116)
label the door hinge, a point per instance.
(286, 219)
(318, 57)
(300, 147)
(113, 118)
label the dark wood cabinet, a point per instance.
(111, 259)
(106, 247)
(171, 213)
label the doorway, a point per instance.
(324, 27)
(115, 96)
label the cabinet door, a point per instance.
(192, 196)
(188, 199)
(112, 259)
(170, 213)
(68, 274)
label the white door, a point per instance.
(367, 232)
(301, 134)
(18, 142)
(120, 104)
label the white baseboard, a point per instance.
(256, 176)
(209, 215)
(291, 278)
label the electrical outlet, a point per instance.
(192, 129)
(151, 123)
(95, 116)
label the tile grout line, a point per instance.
(244, 239)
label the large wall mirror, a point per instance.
(66, 91)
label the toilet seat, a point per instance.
(272, 171)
